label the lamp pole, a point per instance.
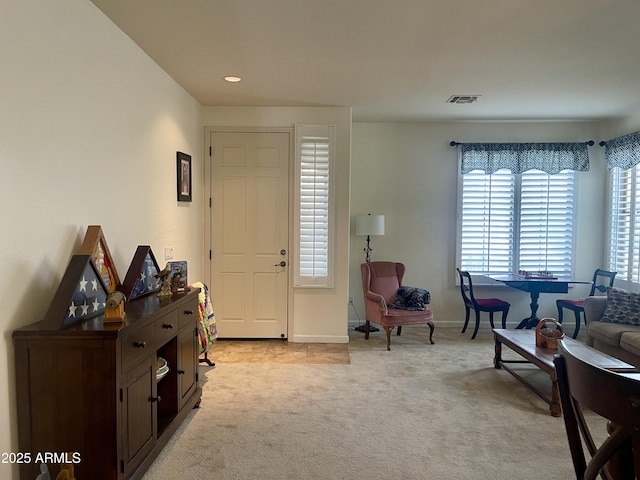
(369, 225)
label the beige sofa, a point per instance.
(616, 339)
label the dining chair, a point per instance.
(614, 395)
(381, 282)
(602, 280)
(490, 305)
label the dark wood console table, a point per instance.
(535, 286)
(92, 390)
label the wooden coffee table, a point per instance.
(523, 342)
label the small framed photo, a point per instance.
(184, 177)
(178, 276)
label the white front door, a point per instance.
(250, 233)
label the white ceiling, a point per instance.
(399, 60)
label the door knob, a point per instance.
(281, 264)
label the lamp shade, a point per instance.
(370, 225)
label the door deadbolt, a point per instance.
(283, 252)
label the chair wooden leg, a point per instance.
(388, 332)
(491, 320)
(466, 319)
(399, 330)
(504, 318)
(431, 327)
(475, 331)
(367, 325)
(578, 320)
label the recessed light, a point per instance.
(232, 79)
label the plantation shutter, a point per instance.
(314, 152)
(624, 231)
(515, 222)
(546, 222)
(487, 230)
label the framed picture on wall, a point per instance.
(184, 177)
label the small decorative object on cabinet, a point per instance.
(114, 308)
(111, 395)
(165, 282)
(95, 245)
(142, 276)
(178, 275)
(80, 296)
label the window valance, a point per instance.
(551, 158)
(623, 152)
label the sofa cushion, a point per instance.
(609, 333)
(630, 341)
(622, 307)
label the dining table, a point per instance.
(535, 285)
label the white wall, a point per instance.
(408, 172)
(621, 126)
(89, 131)
(316, 315)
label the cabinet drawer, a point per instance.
(188, 314)
(138, 345)
(166, 327)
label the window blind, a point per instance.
(546, 222)
(488, 206)
(314, 201)
(511, 222)
(624, 231)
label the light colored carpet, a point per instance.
(420, 411)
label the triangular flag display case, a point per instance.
(95, 245)
(81, 295)
(141, 278)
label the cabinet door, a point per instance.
(139, 404)
(187, 364)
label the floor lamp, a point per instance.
(369, 225)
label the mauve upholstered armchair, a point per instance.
(380, 284)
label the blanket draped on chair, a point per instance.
(411, 298)
(207, 331)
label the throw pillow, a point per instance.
(622, 307)
(411, 298)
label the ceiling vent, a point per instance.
(462, 98)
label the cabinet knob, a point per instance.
(181, 372)
(155, 399)
(188, 312)
(140, 344)
(168, 326)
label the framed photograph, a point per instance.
(184, 177)
(178, 275)
(95, 245)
